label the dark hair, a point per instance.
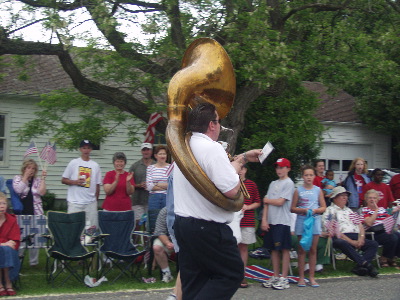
(375, 171)
(318, 161)
(119, 156)
(307, 167)
(200, 116)
(159, 148)
(329, 171)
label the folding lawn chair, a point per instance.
(15, 199)
(117, 245)
(66, 248)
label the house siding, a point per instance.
(19, 110)
(345, 141)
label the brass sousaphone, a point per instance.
(207, 75)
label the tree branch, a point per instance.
(318, 6)
(61, 6)
(174, 15)
(110, 95)
(107, 25)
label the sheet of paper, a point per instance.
(265, 152)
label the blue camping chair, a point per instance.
(15, 199)
(117, 244)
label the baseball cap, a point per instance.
(282, 162)
(85, 142)
(146, 145)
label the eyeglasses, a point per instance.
(215, 121)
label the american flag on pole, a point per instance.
(388, 223)
(43, 153)
(151, 128)
(332, 225)
(49, 154)
(31, 149)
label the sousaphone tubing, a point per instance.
(206, 75)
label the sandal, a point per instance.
(393, 263)
(383, 261)
(244, 284)
(3, 292)
(11, 292)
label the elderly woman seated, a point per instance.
(9, 243)
(347, 231)
(378, 221)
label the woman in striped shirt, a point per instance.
(156, 178)
(374, 217)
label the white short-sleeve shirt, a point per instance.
(214, 161)
(90, 170)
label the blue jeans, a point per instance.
(157, 201)
(369, 249)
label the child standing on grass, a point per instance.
(276, 221)
(308, 197)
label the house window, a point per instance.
(334, 165)
(2, 137)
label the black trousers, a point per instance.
(209, 259)
(390, 243)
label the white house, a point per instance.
(17, 105)
(344, 139)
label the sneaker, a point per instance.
(340, 256)
(293, 255)
(281, 284)
(171, 297)
(260, 253)
(270, 281)
(359, 270)
(319, 268)
(372, 271)
(167, 277)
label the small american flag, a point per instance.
(388, 223)
(43, 153)
(356, 218)
(31, 149)
(151, 128)
(49, 154)
(332, 226)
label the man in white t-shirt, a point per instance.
(83, 177)
(209, 259)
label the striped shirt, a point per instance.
(382, 214)
(248, 219)
(155, 175)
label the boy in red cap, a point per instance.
(276, 221)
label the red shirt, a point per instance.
(9, 231)
(395, 186)
(119, 200)
(317, 181)
(248, 219)
(385, 194)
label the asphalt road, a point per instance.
(349, 288)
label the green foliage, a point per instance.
(288, 123)
(48, 200)
(68, 117)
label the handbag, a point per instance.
(308, 226)
(376, 228)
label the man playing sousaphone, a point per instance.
(209, 260)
